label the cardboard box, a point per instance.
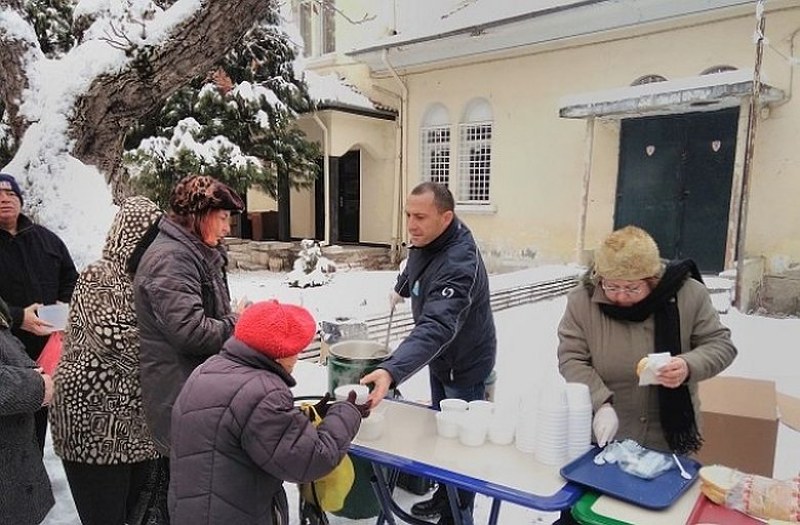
(740, 423)
(789, 411)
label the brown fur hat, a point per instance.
(198, 193)
(629, 254)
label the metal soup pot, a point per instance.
(350, 360)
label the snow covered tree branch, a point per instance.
(113, 103)
(68, 110)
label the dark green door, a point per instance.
(675, 181)
(349, 196)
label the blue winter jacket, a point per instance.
(454, 329)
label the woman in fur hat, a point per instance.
(181, 294)
(631, 304)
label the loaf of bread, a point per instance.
(758, 496)
(641, 365)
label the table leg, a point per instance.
(494, 514)
(461, 516)
(383, 490)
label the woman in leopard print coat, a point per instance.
(98, 427)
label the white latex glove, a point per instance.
(395, 299)
(605, 424)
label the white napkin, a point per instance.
(654, 362)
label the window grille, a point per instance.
(435, 150)
(475, 162)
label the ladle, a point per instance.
(389, 327)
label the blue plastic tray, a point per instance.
(658, 493)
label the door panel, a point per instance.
(649, 180)
(675, 182)
(710, 155)
(349, 196)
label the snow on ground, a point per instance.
(526, 356)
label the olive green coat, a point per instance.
(603, 352)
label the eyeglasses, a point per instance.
(627, 290)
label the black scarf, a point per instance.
(675, 404)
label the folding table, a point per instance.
(410, 443)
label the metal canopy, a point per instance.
(701, 93)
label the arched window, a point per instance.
(717, 69)
(475, 153)
(435, 145)
(648, 79)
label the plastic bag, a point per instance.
(51, 353)
(635, 459)
(328, 492)
(758, 496)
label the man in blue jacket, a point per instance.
(454, 332)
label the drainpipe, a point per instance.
(400, 182)
(792, 63)
(326, 178)
(752, 127)
(587, 173)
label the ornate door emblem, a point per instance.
(650, 150)
(715, 145)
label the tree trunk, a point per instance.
(102, 116)
(13, 80)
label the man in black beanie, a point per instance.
(37, 269)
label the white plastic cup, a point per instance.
(447, 423)
(55, 314)
(502, 429)
(481, 407)
(342, 391)
(453, 405)
(472, 429)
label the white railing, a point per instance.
(403, 323)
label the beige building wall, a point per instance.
(374, 138)
(257, 200)
(538, 159)
(301, 214)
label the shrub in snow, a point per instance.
(310, 267)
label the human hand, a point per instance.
(381, 381)
(362, 409)
(240, 305)
(31, 322)
(605, 424)
(673, 373)
(323, 404)
(395, 299)
(48, 388)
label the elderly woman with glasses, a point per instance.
(631, 304)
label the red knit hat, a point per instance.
(275, 329)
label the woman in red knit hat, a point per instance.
(236, 434)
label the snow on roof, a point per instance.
(332, 88)
(444, 17)
(609, 95)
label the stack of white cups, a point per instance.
(579, 404)
(525, 438)
(552, 426)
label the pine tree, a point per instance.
(235, 124)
